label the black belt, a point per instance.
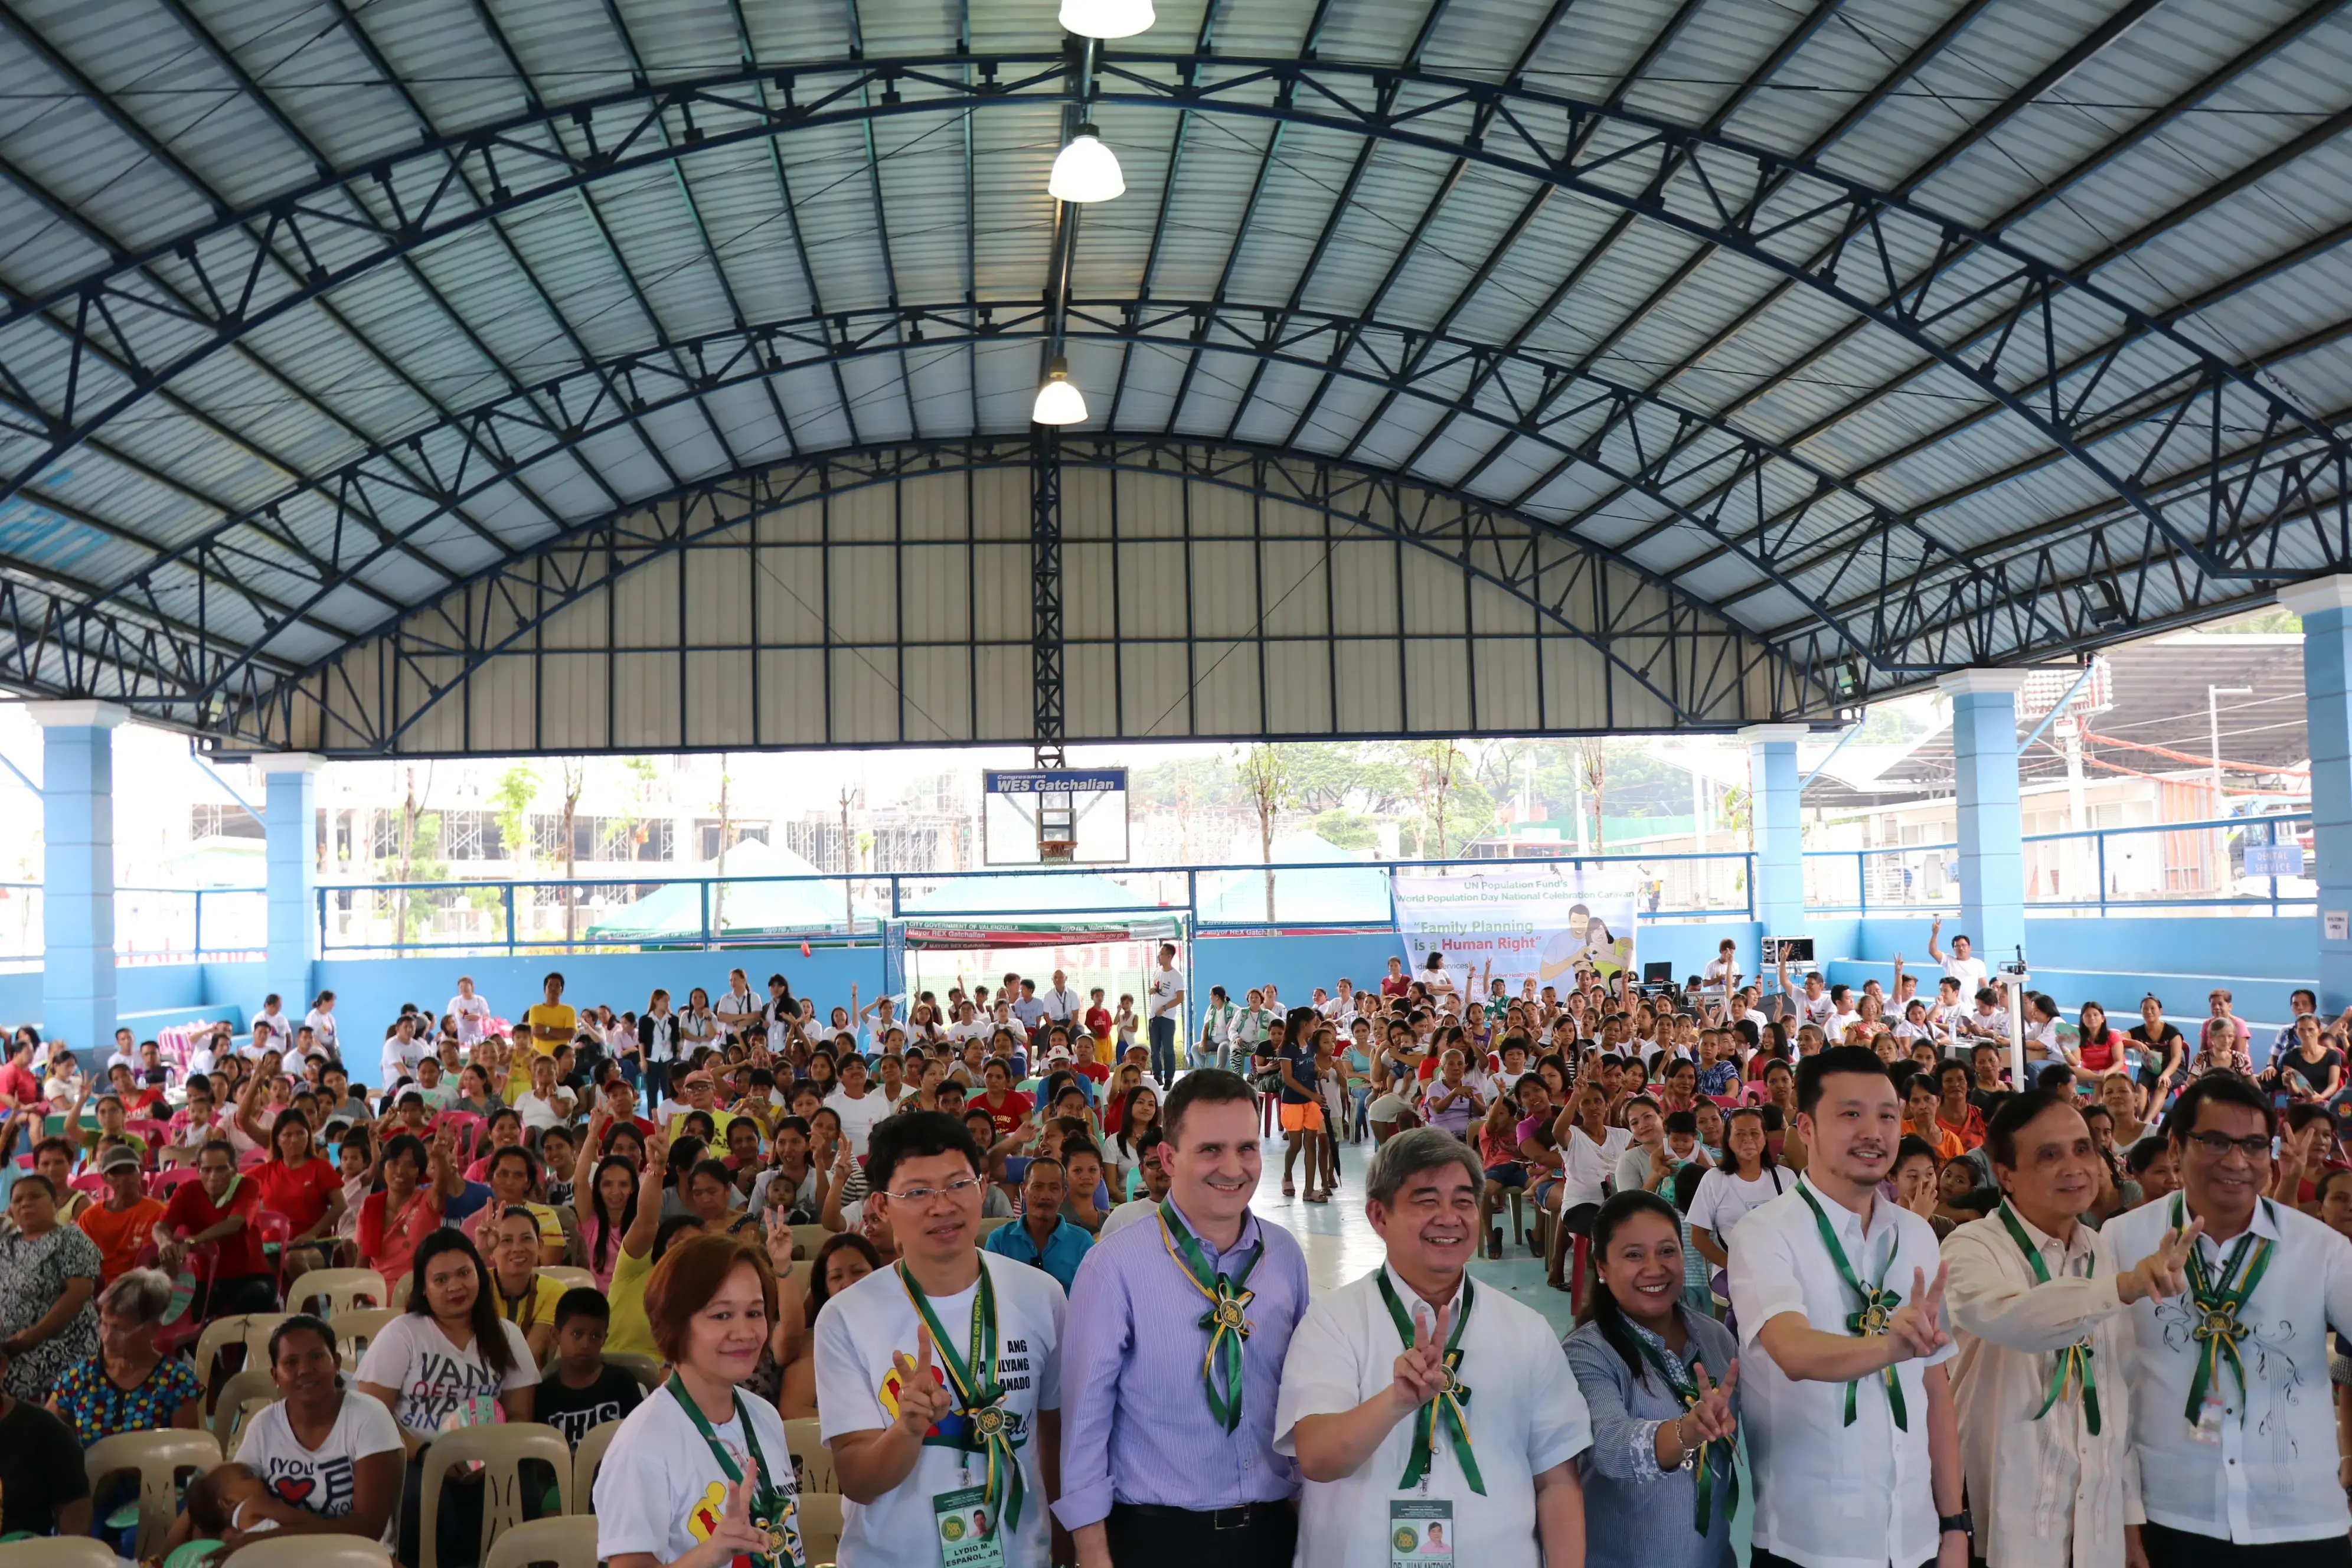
(1240, 1516)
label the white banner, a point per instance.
(1532, 920)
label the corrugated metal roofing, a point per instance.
(2186, 157)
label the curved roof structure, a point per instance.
(1860, 340)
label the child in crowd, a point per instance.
(583, 1391)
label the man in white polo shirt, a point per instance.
(2232, 1417)
(1416, 1402)
(1851, 1433)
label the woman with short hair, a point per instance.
(48, 1274)
(130, 1385)
(697, 1476)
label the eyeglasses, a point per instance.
(2218, 1147)
(921, 1197)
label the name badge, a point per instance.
(1421, 1532)
(2209, 1421)
(967, 1529)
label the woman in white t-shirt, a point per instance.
(449, 1360)
(330, 1456)
(320, 1021)
(700, 1476)
(1748, 1179)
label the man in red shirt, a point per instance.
(219, 1207)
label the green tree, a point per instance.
(1344, 830)
(1265, 776)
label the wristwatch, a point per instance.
(1947, 1523)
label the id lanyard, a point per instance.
(1227, 1321)
(1687, 1391)
(980, 1399)
(2217, 1331)
(2073, 1362)
(1448, 1407)
(776, 1523)
(1878, 1310)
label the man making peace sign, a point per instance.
(938, 1378)
(1413, 1426)
(1850, 1432)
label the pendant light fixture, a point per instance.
(1059, 400)
(1107, 18)
(1085, 170)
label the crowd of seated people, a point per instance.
(677, 1229)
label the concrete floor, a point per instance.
(1340, 1245)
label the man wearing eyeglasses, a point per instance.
(938, 1378)
(2231, 1418)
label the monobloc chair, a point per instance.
(586, 1460)
(310, 1551)
(57, 1551)
(157, 1459)
(501, 1449)
(242, 1397)
(567, 1541)
(345, 1289)
(812, 1459)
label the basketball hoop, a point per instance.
(1053, 852)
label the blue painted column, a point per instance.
(2326, 605)
(1992, 858)
(1778, 835)
(290, 819)
(77, 871)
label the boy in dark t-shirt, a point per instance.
(583, 1392)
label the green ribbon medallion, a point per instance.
(772, 1509)
(2073, 1362)
(1686, 1390)
(1878, 1305)
(980, 1399)
(2216, 1304)
(1226, 1322)
(1447, 1406)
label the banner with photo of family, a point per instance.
(1531, 920)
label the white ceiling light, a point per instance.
(1107, 18)
(1085, 170)
(1059, 400)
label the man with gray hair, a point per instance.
(1378, 1388)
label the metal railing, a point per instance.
(152, 925)
(2102, 870)
(2197, 866)
(555, 915)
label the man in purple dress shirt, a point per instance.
(1171, 1360)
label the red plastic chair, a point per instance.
(154, 1134)
(90, 1182)
(253, 1159)
(160, 1184)
(468, 1127)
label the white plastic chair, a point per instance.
(810, 1458)
(345, 1289)
(586, 1460)
(157, 1457)
(567, 1541)
(310, 1551)
(57, 1551)
(242, 1397)
(501, 1450)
